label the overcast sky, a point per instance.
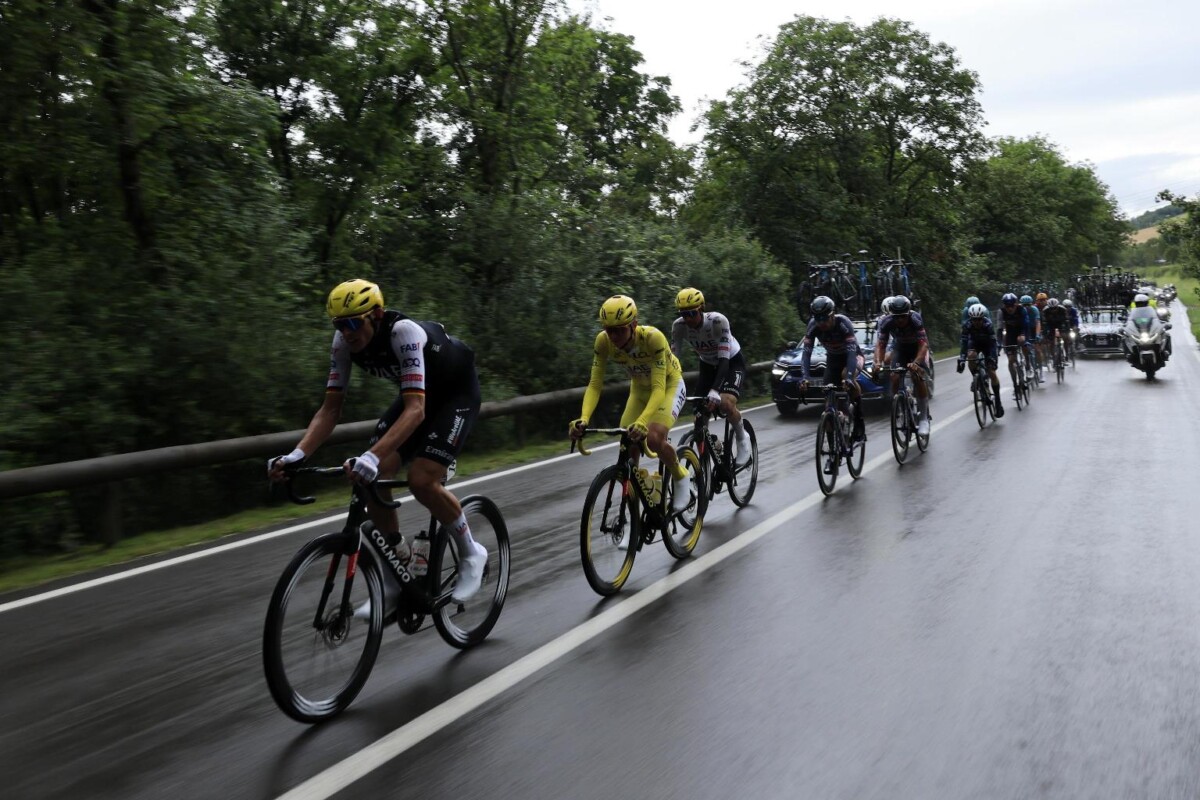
(1111, 83)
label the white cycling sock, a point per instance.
(461, 532)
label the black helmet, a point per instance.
(901, 305)
(822, 307)
(1009, 299)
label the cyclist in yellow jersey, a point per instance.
(656, 390)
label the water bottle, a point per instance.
(419, 565)
(656, 488)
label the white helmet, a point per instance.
(1140, 300)
(886, 305)
(1069, 303)
(977, 311)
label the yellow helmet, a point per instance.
(353, 299)
(689, 298)
(1043, 296)
(618, 310)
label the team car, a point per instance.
(1100, 333)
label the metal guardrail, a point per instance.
(90, 471)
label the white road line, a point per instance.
(344, 773)
(212, 551)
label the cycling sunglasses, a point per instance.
(349, 324)
(690, 312)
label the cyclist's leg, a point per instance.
(659, 422)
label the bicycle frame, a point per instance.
(424, 592)
(627, 460)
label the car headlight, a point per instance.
(778, 372)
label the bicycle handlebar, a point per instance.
(583, 451)
(330, 472)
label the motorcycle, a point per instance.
(1146, 341)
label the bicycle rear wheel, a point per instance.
(742, 480)
(466, 624)
(829, 456)
(682, 530)
(609, 533)
(901, 430)
(316, 655)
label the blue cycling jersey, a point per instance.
(981, 338)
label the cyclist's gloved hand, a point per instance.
(638, 431)
(275, 465)
(575, 430)
(713, 397)
(962, 364)
(803, 385)
(365, 468)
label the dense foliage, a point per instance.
(182, 182)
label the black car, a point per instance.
(785, 373)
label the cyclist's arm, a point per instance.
(323, 422)
(806, 358)
(678, 337)
(591, 396)
(327, 416)
(964, 341)
(724, 339)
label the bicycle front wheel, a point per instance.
(742, 479)
(609, 533)
(901, 430)
(980, 400)
(466, 624)
(682, 530)
(858, 452)
(828, 456)
(704, 450)
(316, 654)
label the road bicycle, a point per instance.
(1060, 359)
(718, 456)
(835, 440)
(981, 391)
(905, 416)
(627, 506)
(1019, 374)
(317, 654)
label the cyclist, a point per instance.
(656, 390)
(885, 309)
(1013, 323)
(978, 336)
(1056, 324)
(912, 351)
(424, 427)
(835, 332)
(966, 309)
(1073, 322)
(722, 366)
(1033, 333)
(1044, 347)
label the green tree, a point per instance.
(1032, 214)
(845, 137)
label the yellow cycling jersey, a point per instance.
(649, 362)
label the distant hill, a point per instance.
(1152, 218)
(1144, 235)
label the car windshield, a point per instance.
(1145, 312)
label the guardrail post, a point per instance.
(109, 520)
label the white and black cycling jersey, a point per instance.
(712, 340)
(419, 357)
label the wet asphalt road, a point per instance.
(1012, 614)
